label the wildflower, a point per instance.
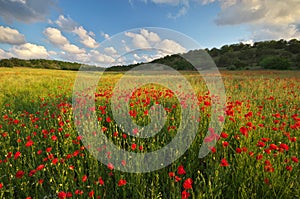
(133, 146)
(225, 144)
(141, 148)
(110, 166)
(29, 143)
(266, 180)
(284, 146)
(101, 181)
(180, 170)
(224, 135)
(78, 192)
(61, 195)
(54, 161)
(289, 168)
(84, 178)
(244, 131)
(17, 155)
(260, 144)
(69, 195)
(259, 157)
(53, 137)
(188, 183)
(91, 194)
(177, 179)
(184, 194)
(224, 163)
(122, 182)
(238, 150)
(171, 174)
(213, 150)
(40, 167)
(273, 147)
(295, 159)
(20, 174)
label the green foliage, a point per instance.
(275, 63)
(233, 57)
(40, 63)
(242, 56)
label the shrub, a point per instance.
(275, 63)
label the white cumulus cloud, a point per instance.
(55, 37)
(85, 37)
(30, 51)
(11, 36)
(66, 23)
(100, 58)
(110, 50)
(105, 35)
(4, 54)
(71, 48)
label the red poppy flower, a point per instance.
(289, 168)
(295, 159)
(177, 179)
(180, 170)
(184, 194)
(1, 185)
(188, 183)
(91, 194)
(78, 192)
(54, 161)
(17, 155)
(101, 181)
(110, 166)
(213, 150)
(69, 195)
(244, 131)
(266, 180)
(260, 144)
(61, 195)
(238, 150)
(259, 157)
(84, 178)
(29, 143)
(273, 147)
(171, 174)
(224, 163)
(20, 174)
(224, 135)
(54, 137)
(225, 144)
(122, 182)
(133, 146)
(284, 146)
(40, 167)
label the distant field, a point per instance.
(256, 156)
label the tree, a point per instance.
(279, 63)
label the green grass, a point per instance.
(36, 105)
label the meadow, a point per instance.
(256, 155)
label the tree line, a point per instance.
(272, 54)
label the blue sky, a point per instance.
(74, 30)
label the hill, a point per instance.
(272, 54)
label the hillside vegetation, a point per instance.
(272, 54)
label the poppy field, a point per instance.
(256, 155)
